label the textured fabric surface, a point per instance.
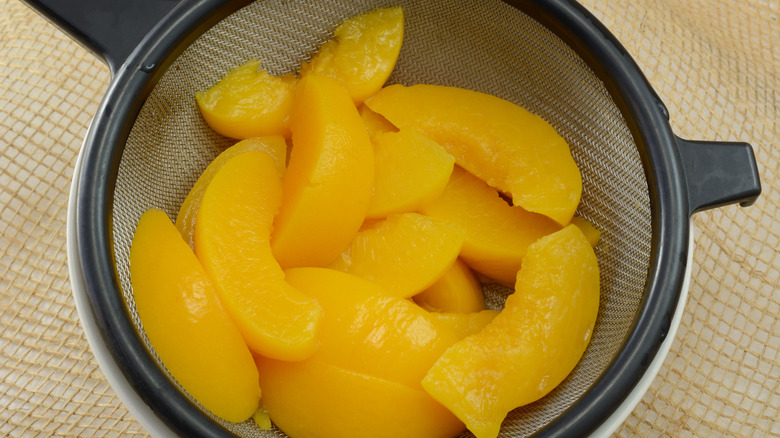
(714, 63)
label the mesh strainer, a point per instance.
(147, 145)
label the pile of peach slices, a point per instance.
(336, 291)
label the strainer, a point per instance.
(147, 145)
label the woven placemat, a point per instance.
(716, 65)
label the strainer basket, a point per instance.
(148, 144)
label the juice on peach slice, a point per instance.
(232, 234)
(362, 53)
(368, 331)
(410, 171)
(497, 234)
(248, 102)
(532, 345)
(503, 144)
(404, 254)
(313, 399)
(456, 291)
(185, 221)
(329, 178)
(186, 323)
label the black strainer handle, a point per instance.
(719, 173)
(109, 28)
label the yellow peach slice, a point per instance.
(329, 178)
(457, 291)
(375, 123)
(312, 399)
(590, 232)
(248, 102)
(188, 212)
(232, 235)
(362, 53)
(186, 324)
(511, 149)
(465, 324)
(404, 254)
(410, 171)
(368, 331)
(532, 345)
(497, 234)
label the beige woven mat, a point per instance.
(715, 63)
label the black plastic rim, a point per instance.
(646, 117)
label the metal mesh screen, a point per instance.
(482, 45)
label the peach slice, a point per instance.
(497, 234)
(404, 254)
(248, 102)
(312, 399)
(329, 178)
(511, 149)
(362, 53)
(465, 324)
(375, 123)
(368, 331)
(186, 324)
(532, 345)
(590, 232)
(188, 212)
(457, 291)
(232, 234)
(410, 171)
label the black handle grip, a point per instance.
(719, 173)
(109, 28)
